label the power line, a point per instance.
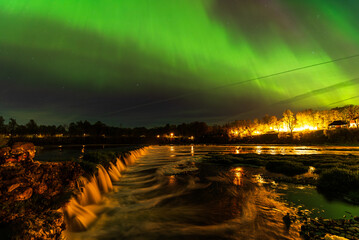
(344, 100)
(354, 81)
(232, 84)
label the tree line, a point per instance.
(304, 120)
(100, 129)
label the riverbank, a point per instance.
(32, 193)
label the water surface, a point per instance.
(169, 194)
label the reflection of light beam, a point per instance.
(172, 180)
(237, 150)
(237, 176)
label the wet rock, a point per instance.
(24, 195)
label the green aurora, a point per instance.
(141, 62)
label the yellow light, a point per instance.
(171, 134)
(158, 136)
(172, 180)
(237, 176)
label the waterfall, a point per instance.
(104, 180)
(80, 212)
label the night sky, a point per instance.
(152, 62)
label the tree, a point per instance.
(12, 126)
(289, 120)
(2, 125)
(250, 126)
(32, 127)
(274, 123)
(350, 112)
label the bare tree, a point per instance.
(289, 120)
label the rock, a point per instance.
(338, 229)
(321, 227)
(24, 195)
(354, 229)
(41, 188)
(13, 187)
(4, 154)
(23, 151)
(334, 237)
(29, 189)
(11, 160)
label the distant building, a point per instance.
(338, 124)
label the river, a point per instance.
(169, 194)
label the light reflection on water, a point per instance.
(166, 195)
(237, 172)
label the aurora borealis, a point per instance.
(145, 63)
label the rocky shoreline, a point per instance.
(321, 228)
(31, 193)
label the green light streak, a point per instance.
(184, 38)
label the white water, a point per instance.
(84, 209)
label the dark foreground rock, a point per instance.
(32, 192)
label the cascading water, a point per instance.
(83, 210)
(176, 193)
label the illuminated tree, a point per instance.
(274, 123)
(350, 112)
(250, 126)
(289, 120)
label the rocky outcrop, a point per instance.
(321, 228)
(19, 152)
(32, 192)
